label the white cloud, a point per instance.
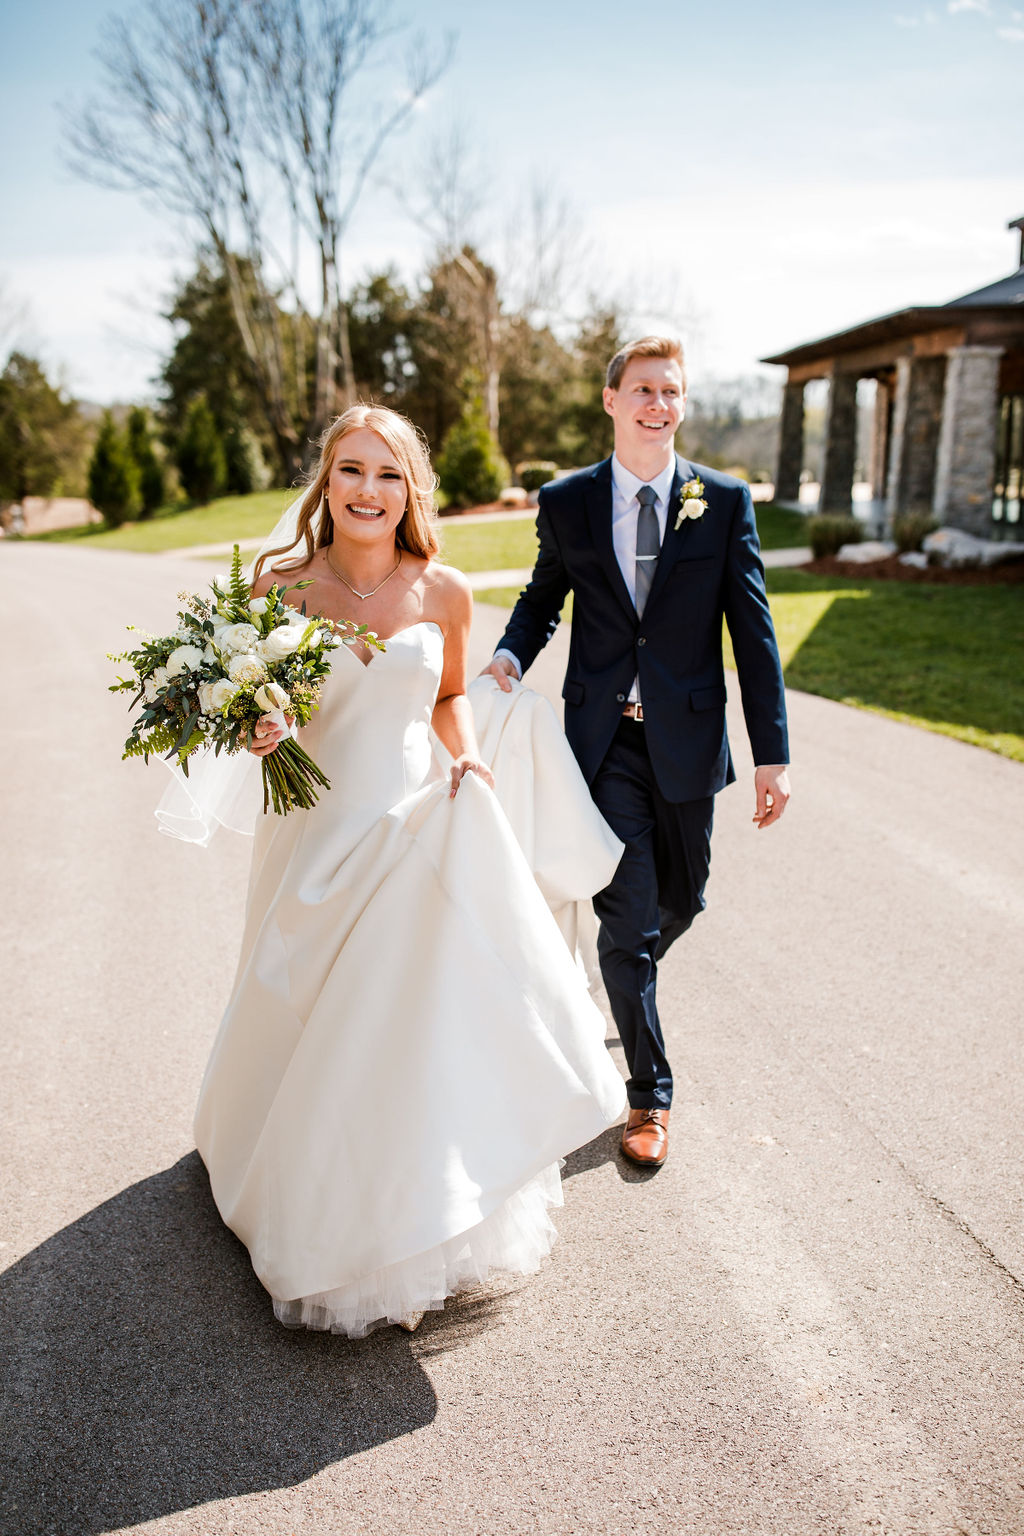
(1011, 34)
(982, 6)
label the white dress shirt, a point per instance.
(625, 511)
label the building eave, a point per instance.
(895, 327)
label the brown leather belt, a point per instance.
(634, 712)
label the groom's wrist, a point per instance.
(502, 654)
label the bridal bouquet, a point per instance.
(233, 660)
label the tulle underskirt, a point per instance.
(512, 1241)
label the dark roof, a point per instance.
(1008, 290)
(905, 322)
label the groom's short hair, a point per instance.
(646, 346)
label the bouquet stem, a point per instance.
(289, 777)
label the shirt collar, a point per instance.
(627, 484)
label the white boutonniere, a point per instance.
(691, 501)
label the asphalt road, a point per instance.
(808, 1322)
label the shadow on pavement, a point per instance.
(605, 1149)
(144, 1372)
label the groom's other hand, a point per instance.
(502, 668)
(771, 785)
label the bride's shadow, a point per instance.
(143, 1371)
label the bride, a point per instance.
(409, 1047)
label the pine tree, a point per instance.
(151, 471)
(200, 454)
(470, 464)
(113, 477)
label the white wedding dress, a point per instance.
(410, 1047)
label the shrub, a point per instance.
(910, 529)
(828, 532)
(152, 489)
(200, 454)
(245, 467)
(113, 476)
(536, 473)
(470, 463)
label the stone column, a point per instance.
(840, 444)
(791, 444)
(917, 415)
(965, 470)
(880, 440)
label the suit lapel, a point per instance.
(598, 493)
(675, 538)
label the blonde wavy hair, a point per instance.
(415, 533)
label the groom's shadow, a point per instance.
(143, 1371)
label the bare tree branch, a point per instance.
(249, 119)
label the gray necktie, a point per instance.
(648, 544)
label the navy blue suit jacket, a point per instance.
(708, 567)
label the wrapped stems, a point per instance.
(289, 777)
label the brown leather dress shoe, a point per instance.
(645, 1137)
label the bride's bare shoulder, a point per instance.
(448, 591)
(286, 574)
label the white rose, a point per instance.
(281, 642)
(258, 605)
(221, 694)
(272, 696)
(160, 677)
(214, 697)
(185, 659)
(149, 690)
(238, 637)
(246, 668)
(209, 653)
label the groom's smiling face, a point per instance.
(648, 406)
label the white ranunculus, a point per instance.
(281, 642)
(238, 637)
(185, 659)
(258, 605)
(221, 694)
(271, 696)
(246, 668)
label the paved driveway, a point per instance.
(808, 1322)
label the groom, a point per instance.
(655, 552)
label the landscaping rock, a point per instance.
(957, 550)
(864, 554)
(915, 558)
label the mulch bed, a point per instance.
(890, 569)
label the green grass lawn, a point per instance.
(229, 518)
(944, 658)
(779, 529)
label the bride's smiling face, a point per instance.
(366, 490)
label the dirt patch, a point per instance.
(890, 569)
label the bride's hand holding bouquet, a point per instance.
(233, 676)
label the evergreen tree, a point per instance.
(151, 472)
(43, 438)
(200, 454)
(113, 476)
(470, 464)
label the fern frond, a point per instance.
(161, 738)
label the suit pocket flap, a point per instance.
(708, 698)
(572, 693)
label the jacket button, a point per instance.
(620, 698)
(642, 640)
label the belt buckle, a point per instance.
(634, 712)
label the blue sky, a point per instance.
(754, 174)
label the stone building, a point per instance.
(948, 428)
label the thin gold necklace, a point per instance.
(362, 596)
